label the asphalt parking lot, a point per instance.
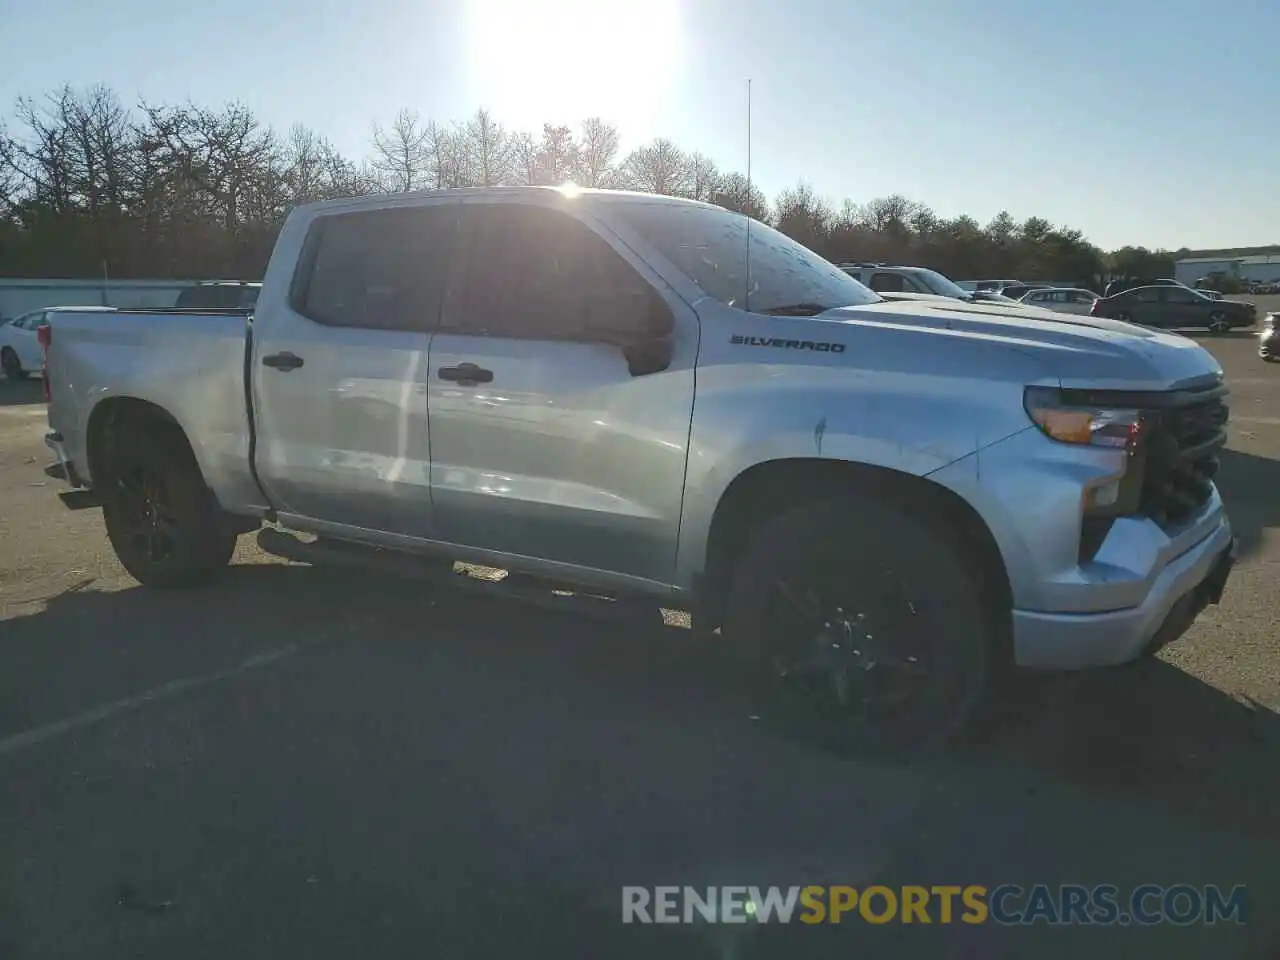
(298, 762)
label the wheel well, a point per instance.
(767, 489)
(118, 417)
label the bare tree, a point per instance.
(733, 192)
(400, 154)
(802, 215)
(489, 150)
(704, 177)
(660, 167)
(313, 169)
(524, 158)
(597, 149)
(441, 147)
(557, 155)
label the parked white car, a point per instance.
(1062, 299)
(20, 352)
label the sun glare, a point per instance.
(564, 60)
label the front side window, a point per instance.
(934, 282)
(378, 269)
(709, 245)
(536, 273)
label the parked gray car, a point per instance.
(1175, 308)
(881, 505)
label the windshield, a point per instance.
(939, 284)
(709, 245)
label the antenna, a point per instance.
(746, 294)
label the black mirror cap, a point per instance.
(629, 318)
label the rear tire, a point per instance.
(815, 586)
(1124, 316)
(161, 518)
(12, 364)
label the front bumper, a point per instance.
(1269, 345)
(1072, 641)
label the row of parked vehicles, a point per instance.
(881, 507)
(1157, 303)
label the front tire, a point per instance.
(863, 625)
(161, 518)
(1218, 324)
(12, 364)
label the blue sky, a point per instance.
(1154, 123)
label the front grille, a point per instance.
(1182, 434)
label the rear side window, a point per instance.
(1147, 294)
(888, 283)
(377, 269)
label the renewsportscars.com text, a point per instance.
(1008, 904)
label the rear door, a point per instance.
(545, 440)
(340, 370)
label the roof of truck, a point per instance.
(568, 192)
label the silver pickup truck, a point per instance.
(881, 505)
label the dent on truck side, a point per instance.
(894, 399)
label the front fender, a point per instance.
(884, 401)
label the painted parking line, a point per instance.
(170, 690)
(166, 691)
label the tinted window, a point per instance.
(1147, 294)
(1175, 295)
(709, 245)
(887, 283)
(531, 272)
(381, 269)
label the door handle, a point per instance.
(465, 374)
(282, 361)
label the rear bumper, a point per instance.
(1072, 641)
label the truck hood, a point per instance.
(1080, 351)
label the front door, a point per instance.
(546, 441)
(340, 371)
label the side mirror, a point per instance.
(626, 319)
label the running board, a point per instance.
(523, 588)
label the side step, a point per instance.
(526, 589)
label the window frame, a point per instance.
(304, 270)
(454, 316)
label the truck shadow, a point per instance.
(1177, 745)
(15, 393)
(1250, 487)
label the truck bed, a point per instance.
(190, 363)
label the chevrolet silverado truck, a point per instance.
(879, 506)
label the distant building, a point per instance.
(1259, 269)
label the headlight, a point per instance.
(1096, 426)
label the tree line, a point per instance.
(90, 186)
